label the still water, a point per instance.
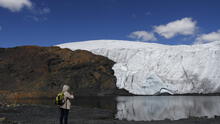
(146, 108)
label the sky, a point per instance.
(51, 22)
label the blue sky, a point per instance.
(51, 22)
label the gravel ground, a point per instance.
(43, 114)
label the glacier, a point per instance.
(150, 68)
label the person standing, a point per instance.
(64, 109)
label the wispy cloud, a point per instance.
(15, 5)
(184, 26)
(210, 37)
(40, 10)
(36, 18)
(143, 36)
(38, 14)
(148, 13)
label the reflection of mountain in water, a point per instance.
(139, 108)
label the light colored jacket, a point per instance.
(67, 97)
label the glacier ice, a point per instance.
(149, 68)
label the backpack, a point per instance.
(60, 99)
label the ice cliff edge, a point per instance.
(149, 68)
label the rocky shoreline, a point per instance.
(44, 114)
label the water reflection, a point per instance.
(145, 108)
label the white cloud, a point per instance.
(184, 26)
(143, 36)
(205, 38)
(15, 5)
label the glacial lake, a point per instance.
(147, 108)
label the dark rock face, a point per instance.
(32, 71)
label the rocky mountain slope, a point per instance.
(32, 71)
(149, 68)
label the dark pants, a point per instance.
(64, 115)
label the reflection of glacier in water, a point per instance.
(145, 108)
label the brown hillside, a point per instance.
(32, 71)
